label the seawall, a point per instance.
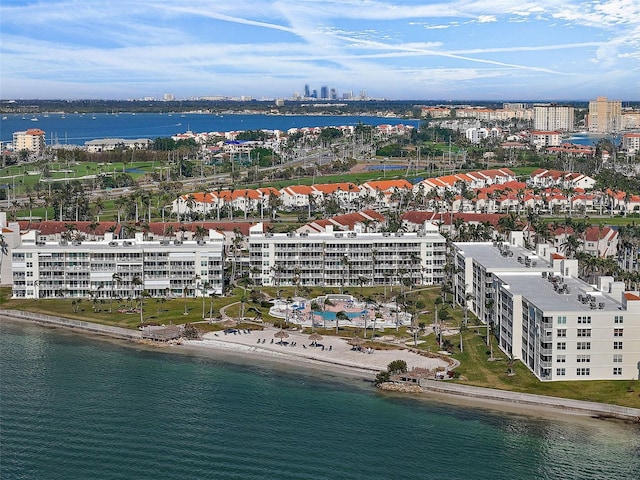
(115, 332)
(594, 409)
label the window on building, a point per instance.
(561, 358)
(583, 346)
(617, 370)
(560, 372)
(618, 319)
(562, 320)
(617, 332)
(561, 346)
(581, 372)
(562, 332)
(617, 345)
(584, 319)
(617, 358)
(583, 359)
(584, 332)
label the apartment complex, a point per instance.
(553, 117)
(117, 268)
(560, 327)
(605, 116)
(346, 258)
(31, 140)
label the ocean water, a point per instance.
(76, 129)
(75, 407)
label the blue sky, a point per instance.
(396, 49)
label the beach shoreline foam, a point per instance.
(231, 346)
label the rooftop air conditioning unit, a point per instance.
(177, 242)
(113, 244)
(127, 243)
(63, 242)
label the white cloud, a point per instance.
(487, 19)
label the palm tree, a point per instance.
(136, 282)
(4, 250)
(92, 227)
(341, 315)
(168, 231)
(114, 278)
(200, 233)
(570, 245)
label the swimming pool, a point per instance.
(332, 315)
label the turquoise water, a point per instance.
(332, 315)
(74, 407)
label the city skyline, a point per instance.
(397, 49)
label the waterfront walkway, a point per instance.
(115, 332)
(585, 407)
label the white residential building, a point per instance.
(117, 268)
(558, 326)
(549, 117)
(543, 138)
(631, 142)
(110, 144)
(346, 258)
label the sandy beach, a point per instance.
(298, 349)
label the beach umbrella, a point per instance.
(281, 334)
(228, 323)
(355, 341)
(315, 337)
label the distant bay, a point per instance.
(75, 407)
(76, 129)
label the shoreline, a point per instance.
(245, 347)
